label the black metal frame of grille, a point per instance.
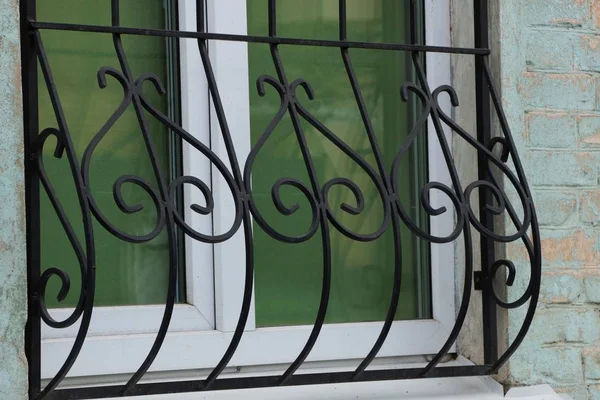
(493, 201)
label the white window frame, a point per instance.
(201, 330)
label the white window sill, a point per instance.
(463, 388)
(467, 388)
(460, 388)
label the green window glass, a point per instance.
(127, 274)
(288, 276)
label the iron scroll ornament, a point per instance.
(498, 153)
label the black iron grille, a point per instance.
(497, 162)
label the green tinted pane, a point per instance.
(288, 276)
(127, 274)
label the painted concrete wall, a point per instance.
(13, 365)
(470, 340)
(550, 65)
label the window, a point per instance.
(312, 192)
(288, 277)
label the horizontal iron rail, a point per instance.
(36, 25)
(147, 389)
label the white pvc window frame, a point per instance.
(201, 330)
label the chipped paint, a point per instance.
(589, 130)
(13, 364)
(596, 12)
(568, 247)
(591, 41)
(590, 207)
(586, 161)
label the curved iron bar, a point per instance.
(499, 164)
(301, 186)
(447, 153)
(429, 104)
(526, 241)
(535, 255)
(397, 284)
(360, 161)
(83, 311)
(220, 166)
(129, 91)
(318, 194)
(239, 185)
(130, 85)
(72, 237)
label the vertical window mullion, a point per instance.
(230, 64)
(195, 118)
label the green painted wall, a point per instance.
(550, 65)
(13, 307)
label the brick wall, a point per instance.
(550, 63)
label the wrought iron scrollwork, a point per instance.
(323, 218)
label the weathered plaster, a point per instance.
(470, 341)
(550, 73)
(13, 364)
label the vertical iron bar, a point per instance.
(437, 123)
(343, 21)
(316, 188)
(164, 195)
(468, 283)
(215, 96)
(32, 195)
(88, 284)
(200, 15)
(325, 238)
(175, 144)
(490, 337)
(413, 18)
(420, 175)
(389, 189)
(272, 18)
